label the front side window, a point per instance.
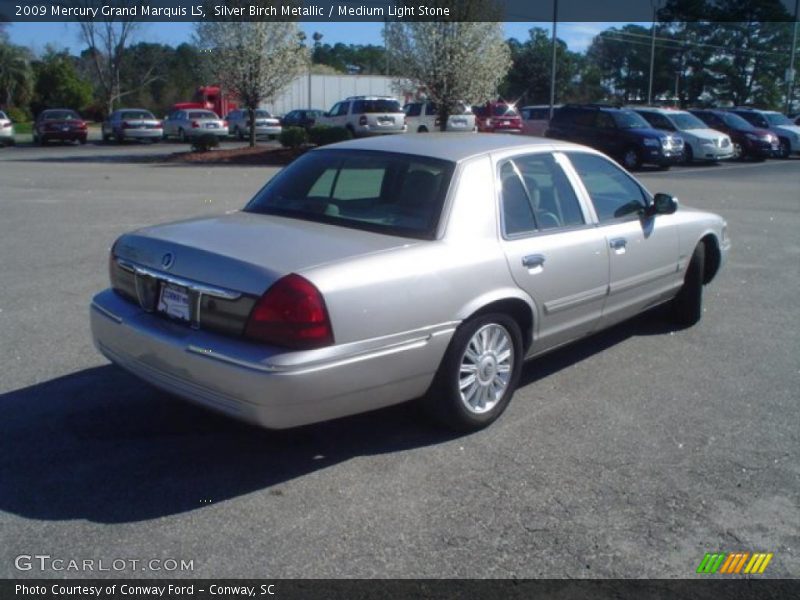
(614, 194)
(536, 195)
(396, 194)
(413, 110)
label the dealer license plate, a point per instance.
(174, 301)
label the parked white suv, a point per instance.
(367, 115)
(422, 117)
(700, 142)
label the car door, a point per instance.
(643, 251)
(554, 251)
(607, 137)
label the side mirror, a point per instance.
(663, 204)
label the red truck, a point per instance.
(209, 97)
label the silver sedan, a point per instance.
(132, 124)
(187, 124)
(239, 124)
(377, 271)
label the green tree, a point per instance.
(58, 82)
(528, 80)
(16, 76)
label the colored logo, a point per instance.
(734, 563)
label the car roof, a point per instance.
(453, 146)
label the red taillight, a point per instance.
(195, 124)
(292, 314)
(362, 120)
(82, 125)
(224, 123)
(159, 124)
(4, 125)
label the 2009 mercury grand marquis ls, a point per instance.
(376, 271)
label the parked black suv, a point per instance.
(622, 134)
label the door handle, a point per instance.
(532, 261)
(618, 243)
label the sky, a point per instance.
(64, 35)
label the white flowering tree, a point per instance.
(456, 61)
(253, 61)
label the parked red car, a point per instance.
(61, 124)
(498, 117)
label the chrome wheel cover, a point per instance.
(485, 368)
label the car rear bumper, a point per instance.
(64, 135)
(142, 134)
(264, 385)
(198, 131)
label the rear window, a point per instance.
(61, 115)
(504, 110)
(395, 194)
(379, 105)
(203, 114)
(136, 114)
(3, 115)
(262, 114)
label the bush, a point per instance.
(18, 115)
(322, 135)
(293, 137)
(204, 142)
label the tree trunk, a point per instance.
(251, 122)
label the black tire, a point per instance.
(444, 400)
(786, 149)
(422, 129)
(632, 159)
(738, 152)
(238, 133)
(181, 135)
(687, 306)
(82, 141)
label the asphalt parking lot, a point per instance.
(629, 455)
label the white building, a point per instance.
(327, 90)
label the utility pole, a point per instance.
(790, 74)
(553, 65)
(652, 52)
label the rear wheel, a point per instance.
(687, 306)
(738, 152)
(478, 374)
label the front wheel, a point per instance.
(631, 160)
(687, 306)
(478, 374)
(786, 149)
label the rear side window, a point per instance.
(380, 105)
(390, 193)
(536, 195)
(614, 194)
(413, 110)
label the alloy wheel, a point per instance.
(486, 368)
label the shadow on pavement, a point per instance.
(101, 445)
